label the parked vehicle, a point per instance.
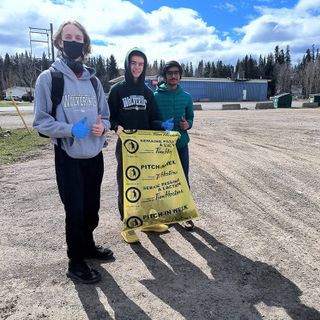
(27, 97)
(15, 98)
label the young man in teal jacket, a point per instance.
(174, 111)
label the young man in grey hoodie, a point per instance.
(77, 131)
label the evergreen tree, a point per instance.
(199, 71)
(107, 69)
(100, 68)
(219, 69)
(26, 70)
(307, 57)
(149, 69)
(113, 68)
(155, 69)
(183, 66)
(191, 70)
(101, 71)
(281, 58)
(269, 66)
(252, 68)
(313, 56)
(276, 54)
(287, 57)
(45, 63)
(8, 76)
(186, 70)
(162, 63)
(207, 71)
(23, 69)
(2, 87)
(212, 70)
(269, 74)
(261, 66)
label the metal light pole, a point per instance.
(51, 38)
(43, 32)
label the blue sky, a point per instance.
(187, 31)
(224, 15)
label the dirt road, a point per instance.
(255, 253)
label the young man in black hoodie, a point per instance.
(131, 105)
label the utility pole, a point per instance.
(42, 35)
(51, 38)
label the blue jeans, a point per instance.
(118, 153)
(184, 159)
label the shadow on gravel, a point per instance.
(237, 285)
(121, 306)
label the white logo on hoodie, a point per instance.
(71, 101)
(134, 102)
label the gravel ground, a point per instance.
(254, 254)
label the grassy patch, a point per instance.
(18, 144)
(10, 103)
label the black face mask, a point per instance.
(73, 49)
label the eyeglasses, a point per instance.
(136, 64)
(172, 73)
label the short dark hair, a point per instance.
(138, 54)
(169, 65)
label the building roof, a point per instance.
(115, 80)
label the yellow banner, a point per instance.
(155, 187)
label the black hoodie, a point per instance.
(131, 103)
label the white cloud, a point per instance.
(116, 26)
(225, 6)
(306, 5)
(295, 27)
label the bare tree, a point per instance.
(283, 75)
(310, 77)
(27, 72)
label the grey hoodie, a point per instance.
(79, 100)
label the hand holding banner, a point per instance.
(155, 188)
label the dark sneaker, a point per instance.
(100, 253)
(81, 272)
(188, 225)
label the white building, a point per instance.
(17, 92)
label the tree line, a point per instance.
(23, 69)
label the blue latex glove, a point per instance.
(167, 125)
(80, 130)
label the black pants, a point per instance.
(120, 177)
(79, 184)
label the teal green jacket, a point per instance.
(176, 104)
